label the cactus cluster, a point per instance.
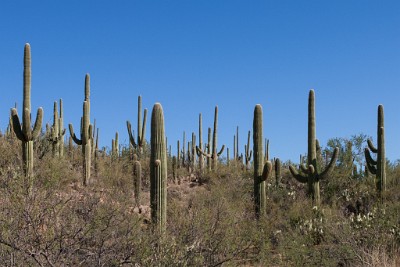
(141, 129)
(311, 174)
(23, 130)
(214, 154)
(57, 132)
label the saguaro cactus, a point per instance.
(137, 180)
(378, 167)
(278, 175)
(214, 154)
(248, 152)
(201, 157)
(141, 129)
(86, 134)
(57, 132)
(115, 147)
(158, 169)
(23, 130)
(261, 171)
(311, 173)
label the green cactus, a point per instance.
(115, 147)
(310, 174)
(214, 154)
(141, 129)
(201, 157)
(266, 149)
(378, 167)
(57, 132)
(23, 130)
(192, 152)
(174, 169)
(278, 175)
(137, 181)
(183, 150)
(96, 153)
(261, 171)
(227, 157)
(85, 134)
(178, 157)
(158, 169)
(248, 152)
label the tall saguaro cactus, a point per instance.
(23, 130)
(261, 171)
(158, 169)
(201, 157)
(311, 173)
(86, 134)
(248, 152)
(58, 131)
(214, 154)
(378, 167)
(141, 129)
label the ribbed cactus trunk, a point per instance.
(378, 167)
(23, 131)
(248, 152)
(209, 149)
(55, 132)
(201, 157)
(137, 181)
(311, 173)
(261, 170)
(86, 134)
(158, 169)
(313, 184)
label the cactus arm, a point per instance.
(298, 176)
(372, 169)
(130, 134)
(201, 152)
(267, 171)
(143, 128)
(38, 123)
(71, 132)
(303, 168)
(331, 164)
(221, 151)
(16, 125)
(251, 153)
(371, 146)
(369, 158)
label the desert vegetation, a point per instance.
(70, 203)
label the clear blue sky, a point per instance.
(193, 55)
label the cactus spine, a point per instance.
(158, 169)
(378, 167)
(141, 129)
(311, 173)
(23, 130)
(214, 154)
(86, 134)
(261, 171)
(248, 152)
